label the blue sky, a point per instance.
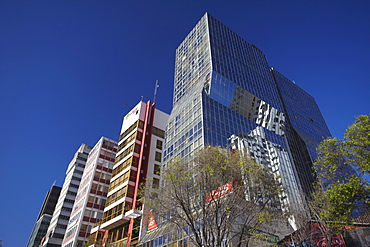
(68, 68)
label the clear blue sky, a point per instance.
(67, 69)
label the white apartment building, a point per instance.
(63, 209)
(92, 193)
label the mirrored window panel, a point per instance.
(246, 104)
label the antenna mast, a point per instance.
(155, 90)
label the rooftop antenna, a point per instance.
(142, 98)
(155, 91)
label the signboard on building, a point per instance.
(151, 222)
(220, 191)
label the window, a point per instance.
(79, 172)
(71, 193)
(76, 178)
(96, 200)
(74, 185)
(158, 132)
(158, 156)
(83, 227)
(81, 165)
(63, 217)
(66, 209)
(155, 183)
(157, 169)
(87, 212)
(159, 144)
(69, 201)
(98, 215)
(94, 186)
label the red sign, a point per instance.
(151, 222)
(336, 241)
(220, 191)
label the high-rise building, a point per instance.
(225, 89)
(138, 160)
(44, 217)
(92, 193)
(63, 209)
(226, 94)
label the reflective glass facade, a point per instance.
(225, 93)
(305, 127)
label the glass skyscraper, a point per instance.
(226, 94)
(43, 219)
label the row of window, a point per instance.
(192, 56)
(119, 181)
(70, 232)
(158, 132)
(132, 161)
(119, 194)
(99, 187)
(127, 151)
(97, 200)
(76, 178)
(71, 193)
(109, 144)
(138, 124)
(135, 136)
(113, 212)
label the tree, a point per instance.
(219, 196)
(342, 168)
(357, 144)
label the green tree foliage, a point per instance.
(357, 143)
(343, 171)
(217, 196)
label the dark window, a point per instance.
(159, 144)
(158, 156)
(157, 169)
(158, 132)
